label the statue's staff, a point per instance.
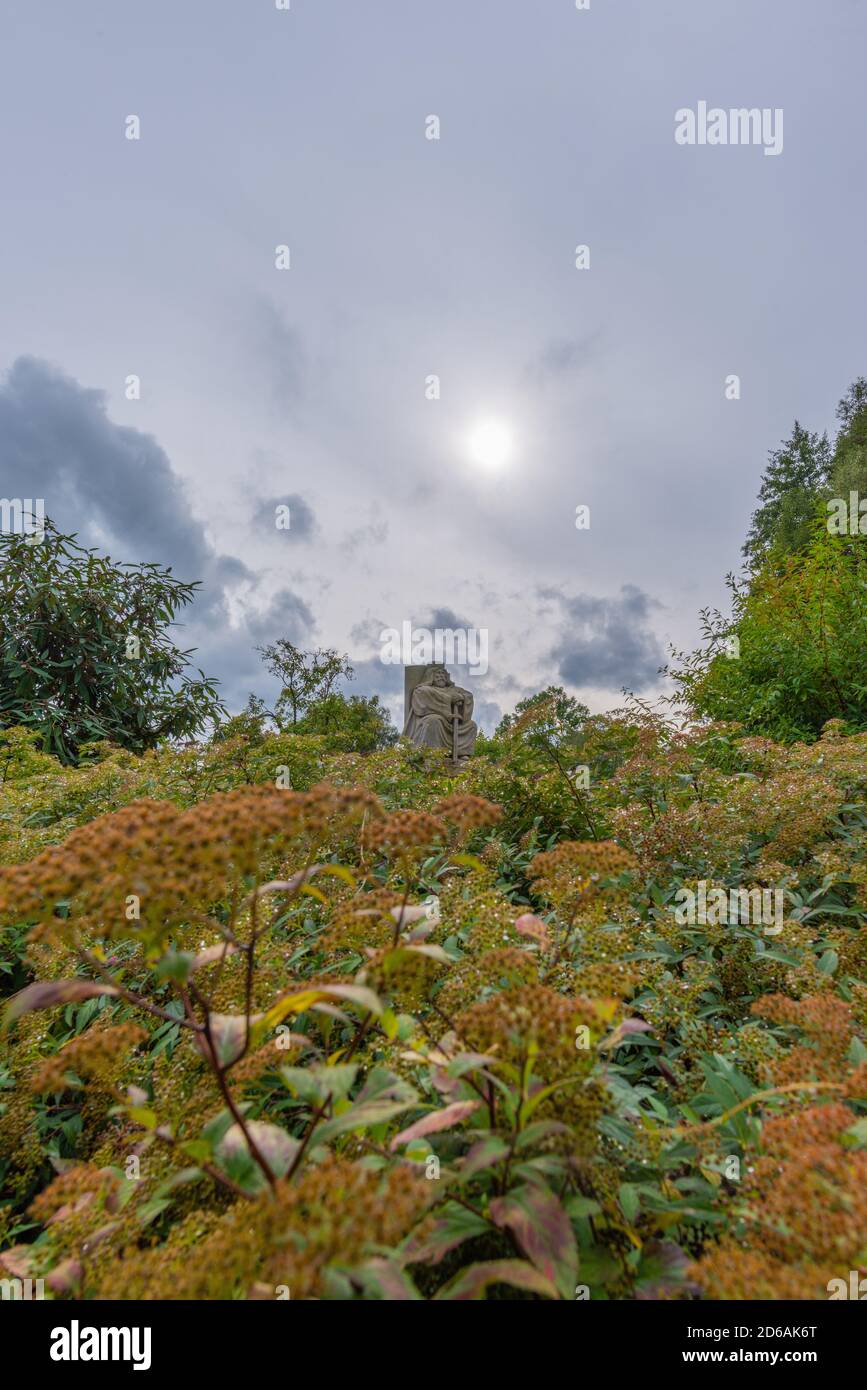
(457, 715)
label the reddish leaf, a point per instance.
(47, 993)
(662, 1272)
(212, 954)
(532, 926)
(229, 1032)
(437, 1120)
(65, 1277)
(16, 1261)
(622, 1032)
(386, 1279)
(543, 1230)
(474, 1282)
(484, 1154)
(276, 1146)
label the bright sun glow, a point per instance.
(490, 444)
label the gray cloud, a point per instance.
(487, 714)
(286, 616)
(607, 643)
(303, 525)
(115, 488)
(444, 618)
(111, 484)
(408, 259)
(375, 534)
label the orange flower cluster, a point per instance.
(363, 920)
(69, 1188)
(478, 912)
(334, 1215)
(97, 1056)
(168, 863)
(405, 835)
(805, 1205)
(828, 1026)
(502, 968)
(578, 873)
(532, 1020)
(402, 975)
(468, 813)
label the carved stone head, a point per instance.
(436, 675)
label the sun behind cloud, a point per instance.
(490, 444)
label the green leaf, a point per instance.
(364, 1115)
(630, 1202)
(829, 962)
(215, 1129)
(384, 1279)
(314, 1083)
(856, 1135)
(454, 1225)
(581, 1208)
(235, 1157)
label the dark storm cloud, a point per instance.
(303, 525)
(287, 616)
(101, 479)
(607, 643)
(114, 485)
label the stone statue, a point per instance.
(438, 714)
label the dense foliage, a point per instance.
(791, 655)
(802, 474)
(358, 1027)
(84, 650)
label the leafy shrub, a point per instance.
(290, 1021)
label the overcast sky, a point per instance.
(412, 257)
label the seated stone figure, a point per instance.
(433, 705)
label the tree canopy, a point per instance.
(85, 654)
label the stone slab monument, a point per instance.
(438, 713)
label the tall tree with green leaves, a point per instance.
(792, 488)
(350, 724)
(791, 656)
(849, 469)
(84, 650)
(304, 676)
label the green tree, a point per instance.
(84, 654)
(354, 724)
(304, 676)
(791, 656)
(849, 470)
(550, 716)
(796, 477)
(250, 723)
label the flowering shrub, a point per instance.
(285, 1022)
